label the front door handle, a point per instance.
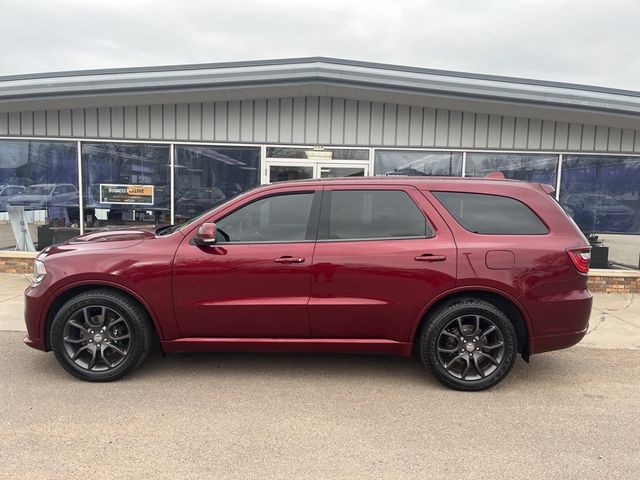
(289, 259)
(428, 257)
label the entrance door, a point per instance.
(332, 170)
(286, 170)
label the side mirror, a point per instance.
(207, 233)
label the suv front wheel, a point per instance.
(100, 335)
(469, 345)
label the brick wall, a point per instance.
(16, 265)
(614, 284)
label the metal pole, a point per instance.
(80, 186)
(172, 220)
(559, 176)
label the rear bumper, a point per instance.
(37, 343)
(559, 320)
(557, 341)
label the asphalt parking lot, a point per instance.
(568, 414)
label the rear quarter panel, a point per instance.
(550, 292)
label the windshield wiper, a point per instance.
(165, 230)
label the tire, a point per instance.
(100, 335)
(477, 359)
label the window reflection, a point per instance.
(602, 194)
(125, 185)
(38, 193)
(417, 163)
(540, 168)
(207, 176)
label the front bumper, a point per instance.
(36, 298)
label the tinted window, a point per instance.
(280, 218)
(491, 214)
(359, 214)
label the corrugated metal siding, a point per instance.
(320, 120)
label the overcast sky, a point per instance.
(590, 42)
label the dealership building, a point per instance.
(99, 149)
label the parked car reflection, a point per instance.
(46, 195)
(197, 200)
(7, 192)
(599, 212)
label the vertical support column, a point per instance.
(464, 164)
(80, 186)
(264, 174)
(372, 162)
(559, 177)
(172, 179)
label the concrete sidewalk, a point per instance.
(615, 318)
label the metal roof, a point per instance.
(315, 71)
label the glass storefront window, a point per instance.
(126, 185)
(540, 168)
(602, 194)
(208, 176)
(38, 193)
(417, 163)
(315, 154)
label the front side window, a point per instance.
(374, 214)
(491, 214)
(278, 218)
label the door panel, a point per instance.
(255, 282)
(377, 288)
(233, 290)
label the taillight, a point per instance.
(580, 258)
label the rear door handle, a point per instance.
(289, 259)
(428, 257)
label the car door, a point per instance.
(255, 281)
(382, 254)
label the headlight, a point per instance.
(39, 271)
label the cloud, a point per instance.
(575, 41)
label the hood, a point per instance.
(28, 198)
(609, 209)
(125, 235)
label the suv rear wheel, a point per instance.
(100, 335)
(469, 345)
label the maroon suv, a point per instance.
(467, 272)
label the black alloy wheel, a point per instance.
(100, 335)
(97, 338)
(469, 345)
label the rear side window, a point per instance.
(369, 214)
(491, 214)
